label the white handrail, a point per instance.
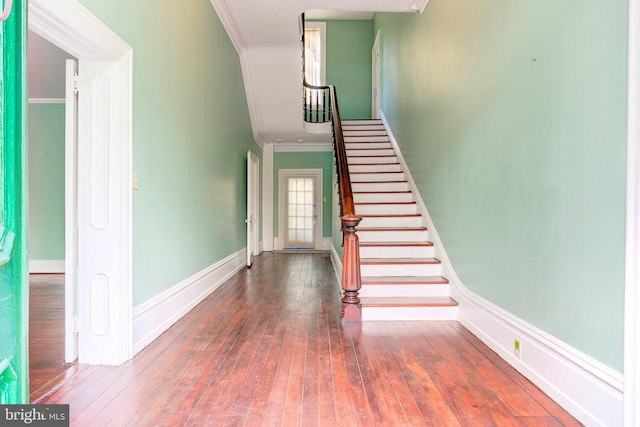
(7, 10)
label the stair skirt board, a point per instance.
(589, 390)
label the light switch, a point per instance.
(136, 182)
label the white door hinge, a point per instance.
(76, 80)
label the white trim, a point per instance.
(327, 242)
(422, 4)
(336, 261)
(586, 388)
(267, 198)
(298, 147)
(249, 73)
(156, 315)
(105, 268)
(46, 100)
(632, 262)
(53, 266)
(375, 77)
(307, 172)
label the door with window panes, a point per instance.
(300, 213)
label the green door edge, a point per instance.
(14, 289)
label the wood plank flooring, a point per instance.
(268, 349)
(46, 333)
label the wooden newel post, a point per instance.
(351, 309)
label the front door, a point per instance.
(300, 211)
(14, 366)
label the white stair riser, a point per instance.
(383, 197)
(374, 152)
(379, 159)
(351, 128)
(384, 270)
(366, 122)
(371, 314)
(366, 138)
(404, 291)
(363, 132)
(396, 252)
(392, 236)
(376, 177)
(361, 145)
(380, 186)
(404, 208)
(374, 168)
(392, 221)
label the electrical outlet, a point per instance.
(517, 348)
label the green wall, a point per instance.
(46, 181)
(512, 118)
(305, 160)
(46, 72)
(348, 56)
(191, 134)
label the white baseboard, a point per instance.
(154, 316)
(46, 266)
(336, 261)
(327, 242)
(586, 388)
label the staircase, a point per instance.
(401, 278)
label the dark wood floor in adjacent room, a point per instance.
(46, 333)
(268, 348)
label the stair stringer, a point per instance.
(589, 390)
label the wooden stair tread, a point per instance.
(385, 203)
(376, 172)
(404, 280)
(383, 192)
(408, 302)
(379, 155)
(392, 228)
(386, 244)
(390, 261)
(376, 164)
(391, 215)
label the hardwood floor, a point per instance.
(268, 348)
(46, 333)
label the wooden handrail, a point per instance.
(351, 281)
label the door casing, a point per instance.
(283, 175)
(104, 176)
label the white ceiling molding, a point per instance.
(229, 25)
(292, 147)
(326, 14)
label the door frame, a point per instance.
(631, 392)
(253, 203)
(283, 175)
(375, 77)
(105, 298)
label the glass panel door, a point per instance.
(300, 219)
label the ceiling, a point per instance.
(266, 35)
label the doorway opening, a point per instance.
(104, 177)
(52, 124)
